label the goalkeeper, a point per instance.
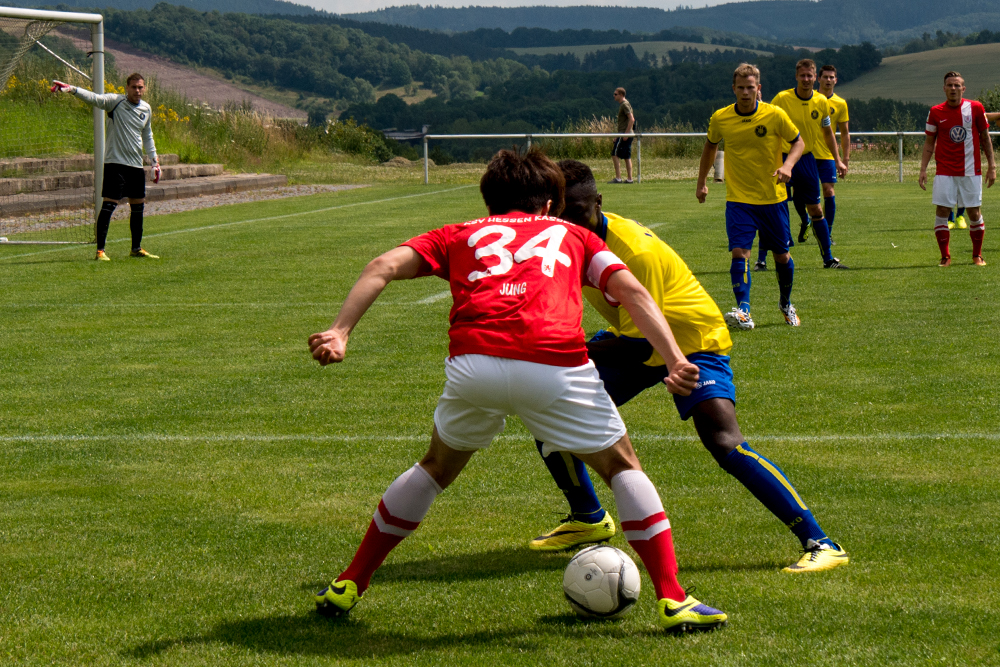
(129, 133)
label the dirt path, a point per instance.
(215, 92)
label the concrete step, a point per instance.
(23, 166)
(85, 179)
(44, 202)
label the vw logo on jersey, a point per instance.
(142, 116)
(958, 134)
(760, 131)
(815, 114)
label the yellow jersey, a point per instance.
(693, 316)
(810, 116)
(838, 115)
(753, 151)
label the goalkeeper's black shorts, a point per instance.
(121, 180)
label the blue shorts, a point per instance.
(805, 179)
(827, 171)
(744, 221)
(620, 363)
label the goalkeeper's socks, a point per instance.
(400, 511)
(104, 223)
(647, 530)
(135, 224)
(741, 283)
(770, 486)
(822, 232)
(572, 479)
(977, 230)
(786, 275)
(830, 211)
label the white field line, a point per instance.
(249, 220)
(434, 297)
(237, 437)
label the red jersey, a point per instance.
(516, 281)
(956, 152)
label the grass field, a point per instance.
(918, 77)
(178, 476)
(658, 49)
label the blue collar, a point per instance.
(736, 108)
(602, 228)
(804, 99)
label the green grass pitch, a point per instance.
(178, 476)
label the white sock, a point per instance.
(637, 502)
(406, 502)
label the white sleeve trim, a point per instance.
(600, 262)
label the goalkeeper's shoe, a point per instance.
(951, 224)
(818, 557)
(738, 319)
(102, 256)
(688, 616)
(337, 599)
(571, 533)
(960, 221)
(142, 253)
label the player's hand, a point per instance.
(701, 192)
(841, 168)
(682, 379)
(922, 180)
(783, 174)
(156, 172)
(328, 347)
(60, 87)
(991, 176)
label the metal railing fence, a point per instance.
(638, 136)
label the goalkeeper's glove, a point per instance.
(156, 172)
(60, 87)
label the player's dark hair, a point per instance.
(577, 173)
(806, 63)
(620, 91)
(951, 75)
(516, 182)
(134, 76)
(828, 68)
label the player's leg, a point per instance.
(944, 196)
(620, 366)
(960, 218)
(463, 423)
(775, 234)
(807, 188)
(112, 191)
(970, 194)
(648, 532)
(829, 200)
(615, 160)
(741, 227)
(951, 219)
(136, 192)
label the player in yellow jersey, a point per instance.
(825, 164)
(628, 365)
(810, 111)
(755, 188)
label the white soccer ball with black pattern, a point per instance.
(601, 582)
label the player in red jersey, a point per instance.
(956, 129)
(517, 347)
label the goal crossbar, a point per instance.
(96, 23)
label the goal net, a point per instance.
(49, 180)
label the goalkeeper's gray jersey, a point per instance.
(128, 128)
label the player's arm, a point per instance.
(105, 102)
(795, 150)
(149, 146)
(402, 263)
(707, 160)
(845, 142)
(992, 116)
(627, 290)
(831, 143)
(986, 142)
(925, 159)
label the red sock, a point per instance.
(647, 530)
(409, 498)
(943, 238)
(977, 240)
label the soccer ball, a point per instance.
(601, 582)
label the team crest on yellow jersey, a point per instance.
(815, 114)
(760, 131)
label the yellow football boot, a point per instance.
(102, 256)
(571, 533)
(337, 599)
(960, 221)
(688, 616)
(142, 253)
(819, 557)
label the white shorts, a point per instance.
(961, 191)
(566, 408)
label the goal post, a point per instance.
(34, 205)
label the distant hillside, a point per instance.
(244, 6)
(658, 49)
(918, 77)
(825, 23)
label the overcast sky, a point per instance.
(356, 6)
